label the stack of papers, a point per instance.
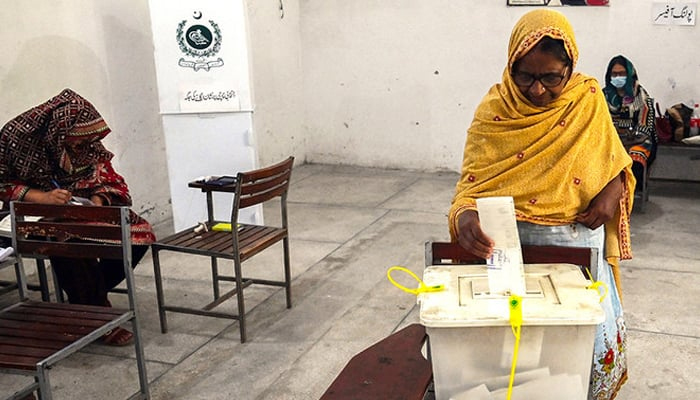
(535, 384)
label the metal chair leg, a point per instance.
(287, 272)
(159, 291)
(239, 297)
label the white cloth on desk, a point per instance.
(6, 252)
(692, 140)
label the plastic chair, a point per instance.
(36, 335)
(242, 242)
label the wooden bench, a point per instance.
(676, 161)
(391, 369)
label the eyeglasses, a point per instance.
(547, 80)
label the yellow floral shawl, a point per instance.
(552, 160)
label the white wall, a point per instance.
(394, 83)
(103, 50)
(277, 74)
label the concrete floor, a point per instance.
(348, 226)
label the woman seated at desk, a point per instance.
(48, 155)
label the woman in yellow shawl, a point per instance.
(544, 136)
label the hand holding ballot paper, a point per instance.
(505, 264)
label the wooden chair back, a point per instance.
(263, 184)
(451, 253)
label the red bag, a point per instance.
(663, 126)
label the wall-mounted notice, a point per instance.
(666, 13)
(201, 54)
(557, 2)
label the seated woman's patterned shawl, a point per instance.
(36, 153)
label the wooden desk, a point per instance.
(209, 189)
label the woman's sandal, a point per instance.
(118, 337)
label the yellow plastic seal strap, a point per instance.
(422, 287)
(597, 285)
(516, 323)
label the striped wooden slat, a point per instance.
(252, 240)
(31, 331)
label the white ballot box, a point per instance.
(472, 343)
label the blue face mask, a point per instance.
(618, 81)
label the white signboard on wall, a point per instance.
(666, 13)
(201, 56)
(557, 2)
(202, 61)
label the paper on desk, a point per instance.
(6, 225)
(505, 266)
(692, 140)
(5, 253)
(81, 201)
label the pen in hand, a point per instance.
(57, 186)
(73, 199)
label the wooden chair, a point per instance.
(240, 244)
(394, 367)
(35, 335)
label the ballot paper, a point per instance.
(81, 201)
(555, 387)
(505, 266)
(538, 385)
